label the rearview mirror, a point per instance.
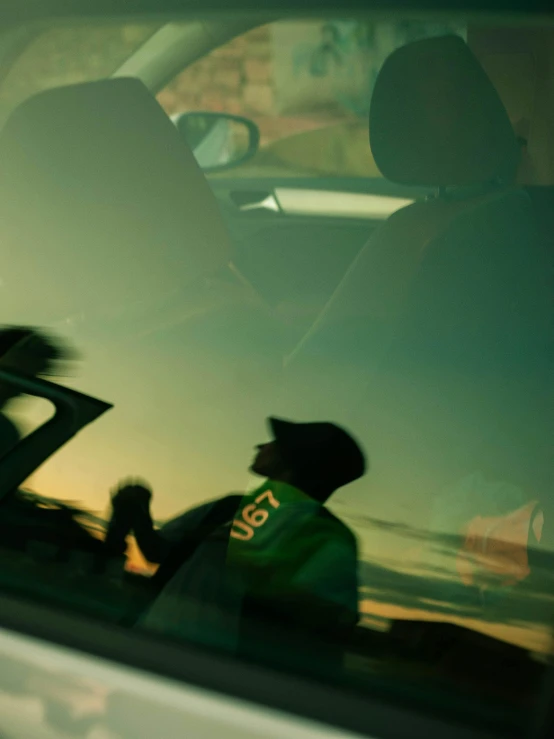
(219, 140)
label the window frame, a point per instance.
(291, 694)
(367, 716)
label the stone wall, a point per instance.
(236, 78)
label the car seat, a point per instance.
(442, 325)
(102, 204)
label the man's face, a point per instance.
(267, 462)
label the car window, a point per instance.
(306, 84)
(260, 361)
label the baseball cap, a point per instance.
(320, 452)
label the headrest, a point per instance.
(436, 119)
(102, 204)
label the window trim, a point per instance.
(369, 716)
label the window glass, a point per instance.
(68, 55)
(306, 84)
(425, 341)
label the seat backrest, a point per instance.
(102, 205)
(448, 307)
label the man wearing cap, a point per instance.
(274, 559)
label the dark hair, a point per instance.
(51, 353)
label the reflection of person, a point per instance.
(276, 550)
(131, 513)
(29, 352)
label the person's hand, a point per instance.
(134, 493)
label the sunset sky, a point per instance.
(189, 430)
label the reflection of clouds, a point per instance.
(474, 494)
(26, 712)
(80, 696)
(436, 592)
(46, 702)
(426, 591)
